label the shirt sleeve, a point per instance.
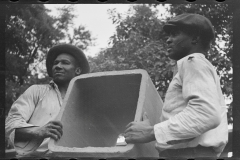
(201, 114)
(20, 113)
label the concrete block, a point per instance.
(96, 109)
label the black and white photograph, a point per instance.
(121, 80)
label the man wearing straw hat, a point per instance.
(194, 115)
(31, 120)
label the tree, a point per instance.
(137, 43)
(30, 32)
(80, 38)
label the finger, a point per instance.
(58, 128)
(128, 130)
(129, 140)
(53, 136)
(55, 132)
(54, 126)
(132, 140)
(126, 135)
(58, 123)
(129, 124)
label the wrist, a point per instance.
(152, 134)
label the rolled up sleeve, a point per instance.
(20, 113)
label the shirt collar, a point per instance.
(53, 84)
(197, 55)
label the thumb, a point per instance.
(145, 117)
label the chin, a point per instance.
(58, 80)
(61, 80)
(176, 57)
(172, 56)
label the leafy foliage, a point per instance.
(28, 29)
(30, 32)
(137, 43)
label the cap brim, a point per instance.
(169, 27)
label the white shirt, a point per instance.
(38, 105)
(194, 112)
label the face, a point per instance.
(64, 68)
(179, 44)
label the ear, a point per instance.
(195, 40)
(78, 71)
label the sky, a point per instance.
(96, 19)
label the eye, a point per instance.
(174, 33)
(55, 62)
(66, 62)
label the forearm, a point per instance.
(25, 140)
(25, 134)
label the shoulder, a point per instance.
(37, 89)
(196, 61)
(195, 65)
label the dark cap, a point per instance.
(195, 22)
(69, 49)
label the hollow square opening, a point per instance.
(98, 110)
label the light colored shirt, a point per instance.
(38, 105)
(194, 112)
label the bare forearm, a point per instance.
(52, 129)
(24, 134)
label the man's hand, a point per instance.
(52, 129)
(139, 132)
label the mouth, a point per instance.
(58, 73)
(169, 49)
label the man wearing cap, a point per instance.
(31, 120)
(194, 115)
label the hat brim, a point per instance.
(169, 27)
(69, 49)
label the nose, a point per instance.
(169, 40)
(58, 66)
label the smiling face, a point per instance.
(179, 44)
(64, 68)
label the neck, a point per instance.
(197, 49)
(62, 88)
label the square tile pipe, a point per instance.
(96, 109)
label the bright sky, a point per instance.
(96, 19)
